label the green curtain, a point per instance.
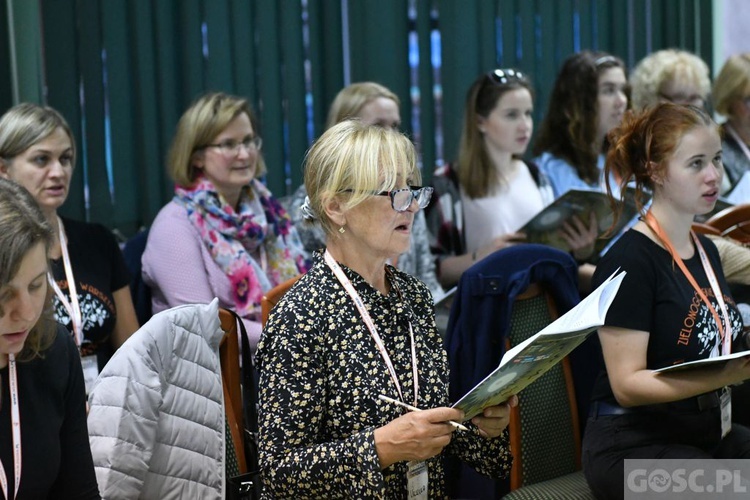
(122, 71)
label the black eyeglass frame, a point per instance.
(422, 195)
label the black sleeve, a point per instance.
(76, 478)
(632, 306)
(120, 273)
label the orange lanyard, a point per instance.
(725, 326)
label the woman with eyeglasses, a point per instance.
(355, 328)
(223, 234)
(670, 75)
(88, 274)
(589, 98)
(373, 104)
(731, 97)
(491, 192)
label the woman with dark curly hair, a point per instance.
(588, 100)
(44, 444)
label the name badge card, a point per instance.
(417, 482)
(726, 411)
(90, 371)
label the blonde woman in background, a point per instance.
(373, 104)
(670, 75)
(92, 296)
(731, 96)
(223, 234)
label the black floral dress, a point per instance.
(321, 374)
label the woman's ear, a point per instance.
(198, 160)
(655, 174)
(4, 168)
(481, 120)
(335, 211)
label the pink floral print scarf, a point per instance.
(234, 236)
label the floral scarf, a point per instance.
(260, 224)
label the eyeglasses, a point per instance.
(693, 99)
(504, 76)
(230, 147)
(401, 198)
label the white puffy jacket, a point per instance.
(156, 424)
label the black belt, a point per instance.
(601, 409)
(695, 404)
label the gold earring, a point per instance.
(342, 230)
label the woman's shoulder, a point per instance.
(61, 349)
(413, 286)
(552, 165)
(632, 252)
(76, 230)
(172, 220)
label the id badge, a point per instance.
(726, 411)
(90, 371)
(417, 483)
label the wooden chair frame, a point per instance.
(273, 296)
(733, 222)
(231, 375)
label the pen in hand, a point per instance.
(414, 408)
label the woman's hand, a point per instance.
(495, 419)
(580, 238)
(737, 370)
(500, 242)
(417, 435)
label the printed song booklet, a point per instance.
(716, 361)
(545, 227)
(530, 359)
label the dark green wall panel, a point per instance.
(289, 58)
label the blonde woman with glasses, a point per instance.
(372, 104)
(223, 234)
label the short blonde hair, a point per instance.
(27, 124)
(350, 100)
(362, 158)
(205, 119)
(733, 83)
(649, 76)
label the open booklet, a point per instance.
(545, 226)
(716, 361)
(530, 359)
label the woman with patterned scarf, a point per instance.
(223, 235)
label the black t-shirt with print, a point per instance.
(656, 297)
(99, 270)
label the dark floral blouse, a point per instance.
(321, 374)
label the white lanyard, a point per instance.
(727, 337)
(71, 306)
(373, 330)
(15, 423)
(739, 140)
